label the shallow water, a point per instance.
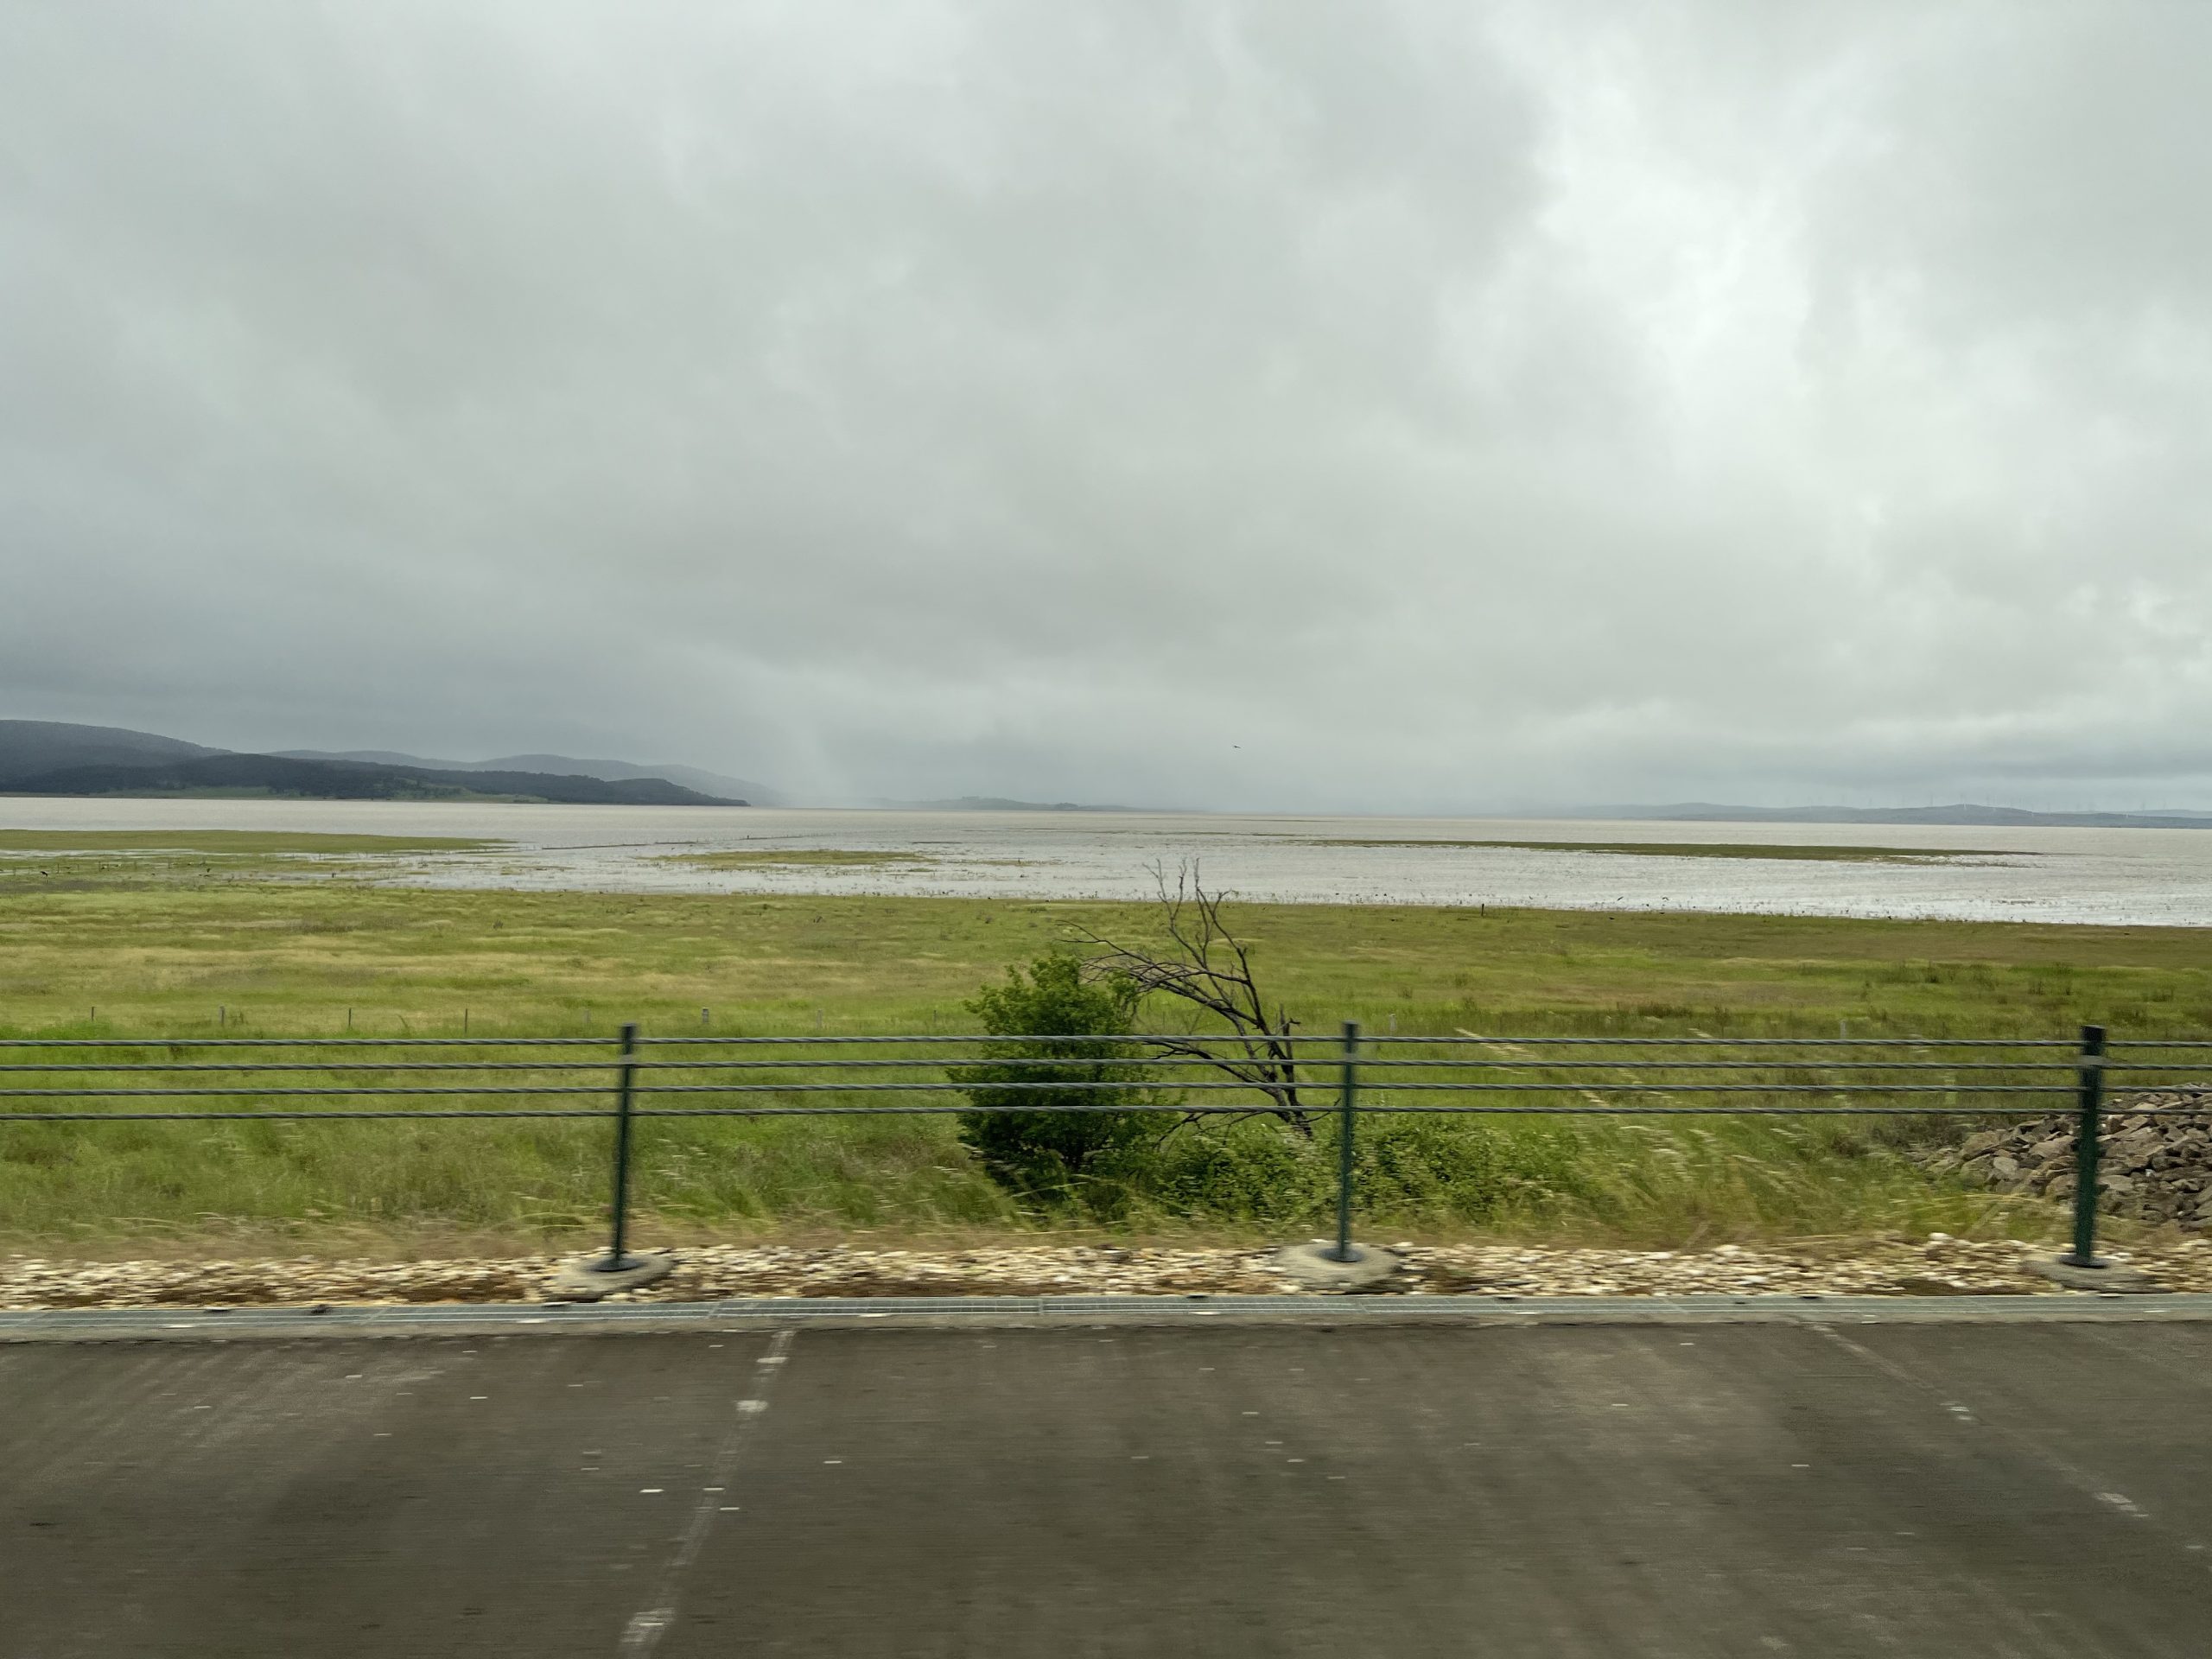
(2143, 877)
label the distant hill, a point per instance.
(1962, 813)
(349, 780)
(30, 747)
(40, 757)
(707, 783)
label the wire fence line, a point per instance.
(1660, 1069)
(1342, 1076)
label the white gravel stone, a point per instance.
(1937, 1265)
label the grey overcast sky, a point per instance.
(1270, 404)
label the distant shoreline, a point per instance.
(1964, 814)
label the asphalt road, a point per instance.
(1967, 1490)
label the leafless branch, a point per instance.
(1209, 968)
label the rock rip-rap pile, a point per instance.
(2154, 1159)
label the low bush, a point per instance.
(1412, 1169)
(1022, 1129)
(1113, 1159)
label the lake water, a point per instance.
(2153, 877)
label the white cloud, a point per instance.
(1449, 406)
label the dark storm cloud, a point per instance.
(1449, 405)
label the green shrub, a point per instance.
(1023, 1134)
(1462, 1169)
(1115, 1158)
(1256, 1170)
(1405, 1169)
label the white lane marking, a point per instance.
(646, 1627)
(2032, 1447)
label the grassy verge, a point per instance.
(110, 957)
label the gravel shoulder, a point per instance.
(1935, 1266)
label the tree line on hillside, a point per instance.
(350, 780)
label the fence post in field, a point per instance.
(590, 1278)
(1344, 1265)
(2092, 1097)
(617, 1258)
(1348, 1110)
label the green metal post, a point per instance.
(626, 1079)
(1348, 1113)
(2092, 1098)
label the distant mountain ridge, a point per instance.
(30, 747)
(54, 758)
(327, 780)
(39, 757)
(697, 778)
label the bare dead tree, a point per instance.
(1208, 967)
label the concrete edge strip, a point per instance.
(138, 1324)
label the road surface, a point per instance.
(1647, 1490)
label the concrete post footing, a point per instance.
(586, 1280)
(1315, 1264)
(2105, 1277)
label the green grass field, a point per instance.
(165, 952)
